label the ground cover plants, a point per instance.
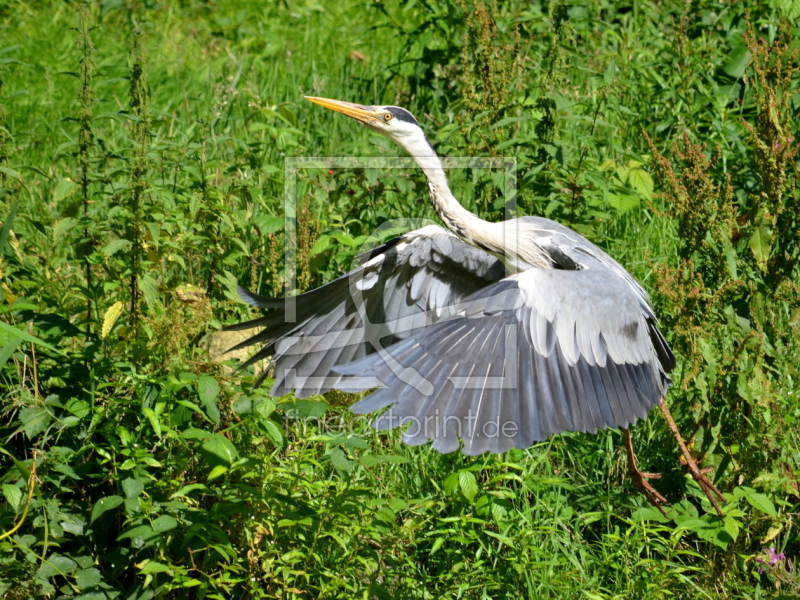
(142, 149)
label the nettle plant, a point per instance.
(730, 297)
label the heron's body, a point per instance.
(523, 323)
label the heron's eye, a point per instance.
(387, 117)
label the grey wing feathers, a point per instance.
(397, 288)
(535, 354)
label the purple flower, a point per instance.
(775, 558)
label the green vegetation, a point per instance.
(142, 151)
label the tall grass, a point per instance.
(146, 147)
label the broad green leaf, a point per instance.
(63, 189)
(732, 527)
(35, 420)
(13, 495)
(649, 513)
(208, 390)
(269, 224)
(104, 505)
(115, 246)
(738, 57)
(164, 523)
(323, 243)
(194, 434)
(62, 227)
(132, 487)
(188, 489)
(468, 484)
(273, 432)
(642, 182)
(55, 564)
(340, 461)
(221, 448)
(761, 245)
(761, 502)
(87, 578)
(139, 531)
(149, 288)
(623, 202)
(216, 473)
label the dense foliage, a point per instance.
(142, 175)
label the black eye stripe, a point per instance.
(402, 114)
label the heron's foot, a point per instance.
(640, 477)
(640, 481)
(708, 487)
(698, 474)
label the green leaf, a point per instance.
(187, 489)
(35, 420)
(216, 473)
(7, 225)
(437, 543)
(738, 57)
(62, 227)
(323, 243)
(732, 527)
(623, 202)
(761, 502)
(132, 487)
(273, 432)
(208, 390)
(11, 173)
(87, 578)
(24, 335)
(269, 224)
(154, 567)
(63, 189)
(649, 513)
(149, 288)
(104, 505)
(164, 523)
(144, 532)
(115, 246)
(8, 350)
(219, 447)
(761, 245)
(153, 418)
(13, 495)
(468, 484)
(55, 564)
(340, 461)
(642, 182)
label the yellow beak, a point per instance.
(356, 111)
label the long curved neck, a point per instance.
(458, 219)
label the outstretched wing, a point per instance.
(538, 353)
(401, 287)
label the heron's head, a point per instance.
(394, 122)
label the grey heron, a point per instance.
(484, 336)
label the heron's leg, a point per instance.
(698, 474)
(640, 478)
